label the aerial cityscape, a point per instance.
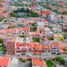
(33, 33)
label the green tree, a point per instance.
(60, 59)
(1, 19)
(49, 63)
(13, 14)
(65, 13)
(1, 41)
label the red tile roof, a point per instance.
(14, 30)
(36, 52)
(38, 62)
(4, 61)
(18, 44)
(44, 12)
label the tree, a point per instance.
(60, 60)
(49, 63)
(1, 41)
(1, 19)
(65, 13)
(34, 14)
(13, 14)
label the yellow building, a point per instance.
(58, 37)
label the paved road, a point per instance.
(60, 65)
(57, 65)
(14, 62)
(47, 55)
(26, 64)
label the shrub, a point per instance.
(60, 60)
(13, 14)
(23, 60)
(22, 36)
(1, 19)
(50, 38)
(1, 41)
(49, 63)
(33, 29)
(36, 39)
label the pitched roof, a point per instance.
(18, 44)
(4, 61)
(37, 62)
